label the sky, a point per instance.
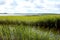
(29, 6)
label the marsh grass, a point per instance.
(9, 32)
(29, 27)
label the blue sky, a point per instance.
(29, 6)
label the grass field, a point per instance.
(30, 27)
(30, 18)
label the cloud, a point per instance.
(30, 6)
(14, 3)
(2, 2)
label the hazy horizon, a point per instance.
(23, 14)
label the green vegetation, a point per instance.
(45, 27)
(9, 32)
(30, 18)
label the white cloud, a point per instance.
(30, 6)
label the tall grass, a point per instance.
(30, 27)
(9, 32)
